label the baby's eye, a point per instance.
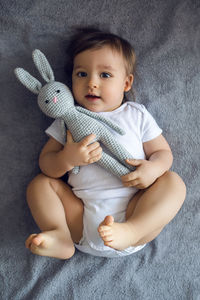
(58, 91)
(105, 75)
(81, 74)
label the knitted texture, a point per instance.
(56, 101)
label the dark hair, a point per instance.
(93, 38)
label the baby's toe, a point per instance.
(38, 239)
(33, 248)
(29, 240)
(108, 238)
(104, 228)
(105, 232)
(101, 228)
(109, 244)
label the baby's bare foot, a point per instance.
(54, 243)
(116, 235)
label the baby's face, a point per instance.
(99, 79)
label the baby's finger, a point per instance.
(69, 137)
(129, 177)
(94, 159)
(96, 152)
(88, 140)
(134, 162)
(131, 183)
(93, 146)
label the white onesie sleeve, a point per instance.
(55, 130)
(149, 127)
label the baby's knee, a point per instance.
(176, 182)
(36, 180)
(176, 179)
(35, 184)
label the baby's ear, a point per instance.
(128, 82)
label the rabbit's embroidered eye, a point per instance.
(58, 91)
(47, 101)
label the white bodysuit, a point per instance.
(101, 192)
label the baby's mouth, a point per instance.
(92, 97)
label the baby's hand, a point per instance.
(82, 153)
(144, 175)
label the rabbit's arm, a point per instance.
(102, 119)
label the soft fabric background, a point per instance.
(166, 37)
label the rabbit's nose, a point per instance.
(55, 99)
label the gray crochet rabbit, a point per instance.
(56, 101)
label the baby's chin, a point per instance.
(93, 106)
(96, 105)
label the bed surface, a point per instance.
(166, 37)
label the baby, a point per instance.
(95, 211)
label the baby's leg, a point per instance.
(59, 215)
(147, 213)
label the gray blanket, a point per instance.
(166, 37)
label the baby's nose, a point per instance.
(55, 99)
(93, 83)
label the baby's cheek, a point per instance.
(76, 92)
(112, 92)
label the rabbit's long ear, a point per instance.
(28, 80)
(43, 65)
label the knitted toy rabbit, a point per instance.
(56, 101)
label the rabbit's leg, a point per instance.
(117, 149)
(112, 165)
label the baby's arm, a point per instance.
(51, 159)
(55, 159)
(159, 160)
